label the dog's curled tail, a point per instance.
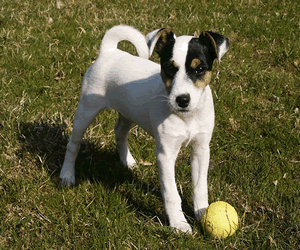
(123, 32)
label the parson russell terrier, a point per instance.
(171, 101)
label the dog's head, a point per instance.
(186, 64)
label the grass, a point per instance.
(45, 48)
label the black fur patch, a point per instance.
(167, 65)
(196, 50)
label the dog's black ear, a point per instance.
(217, 44)
(157, 39)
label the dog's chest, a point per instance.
(192, 129)
(196, 127)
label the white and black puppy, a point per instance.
(171, 101)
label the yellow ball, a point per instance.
(220, 220)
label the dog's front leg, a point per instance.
(199, 163)
(166, 157)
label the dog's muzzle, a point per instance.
(183, 101)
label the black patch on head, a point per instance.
(166, 36)
(167, 65)
(213, 42)
(196, 50)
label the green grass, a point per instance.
(45, 48)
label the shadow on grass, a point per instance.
(48, 142)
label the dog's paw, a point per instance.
(67, 181)
(132, 165)
(199, 213)
(129, 161)
(182, 227)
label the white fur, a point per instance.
(123, 32)
(151, 39)
(222, 50)
(133, 86)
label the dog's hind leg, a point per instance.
(85, 114)
(122, 128)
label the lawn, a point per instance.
(45, 49)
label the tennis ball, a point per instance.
(220, 220)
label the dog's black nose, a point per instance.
(183, 100)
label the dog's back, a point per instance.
(113, 64)
(130, 84)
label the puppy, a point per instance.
(171, 101)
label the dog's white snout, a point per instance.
(183, 100)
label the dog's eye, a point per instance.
(199, 70)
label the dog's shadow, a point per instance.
(48, 142)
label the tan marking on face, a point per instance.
(167, 81)
(204, 81)
(174, 63)
(195, 63)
